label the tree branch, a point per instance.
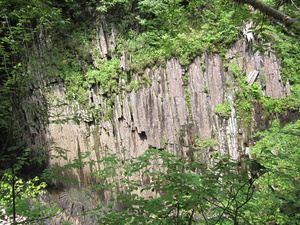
(275, 14)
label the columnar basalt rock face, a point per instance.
(169, 113)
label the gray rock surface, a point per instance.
(168, 114)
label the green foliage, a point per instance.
(19, 196)
(206, 143)
(215, 31)
(278, 151)
(274, 108)
(223, 110)
(21, 23)
(153, 31)
(26, 205)
(107, 75)
(245, 96)
(64, 173)
(285, 47)
(288, 51)
(179, 190)
(188, 102)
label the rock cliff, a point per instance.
(171, 112)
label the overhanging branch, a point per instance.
(275, 14)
